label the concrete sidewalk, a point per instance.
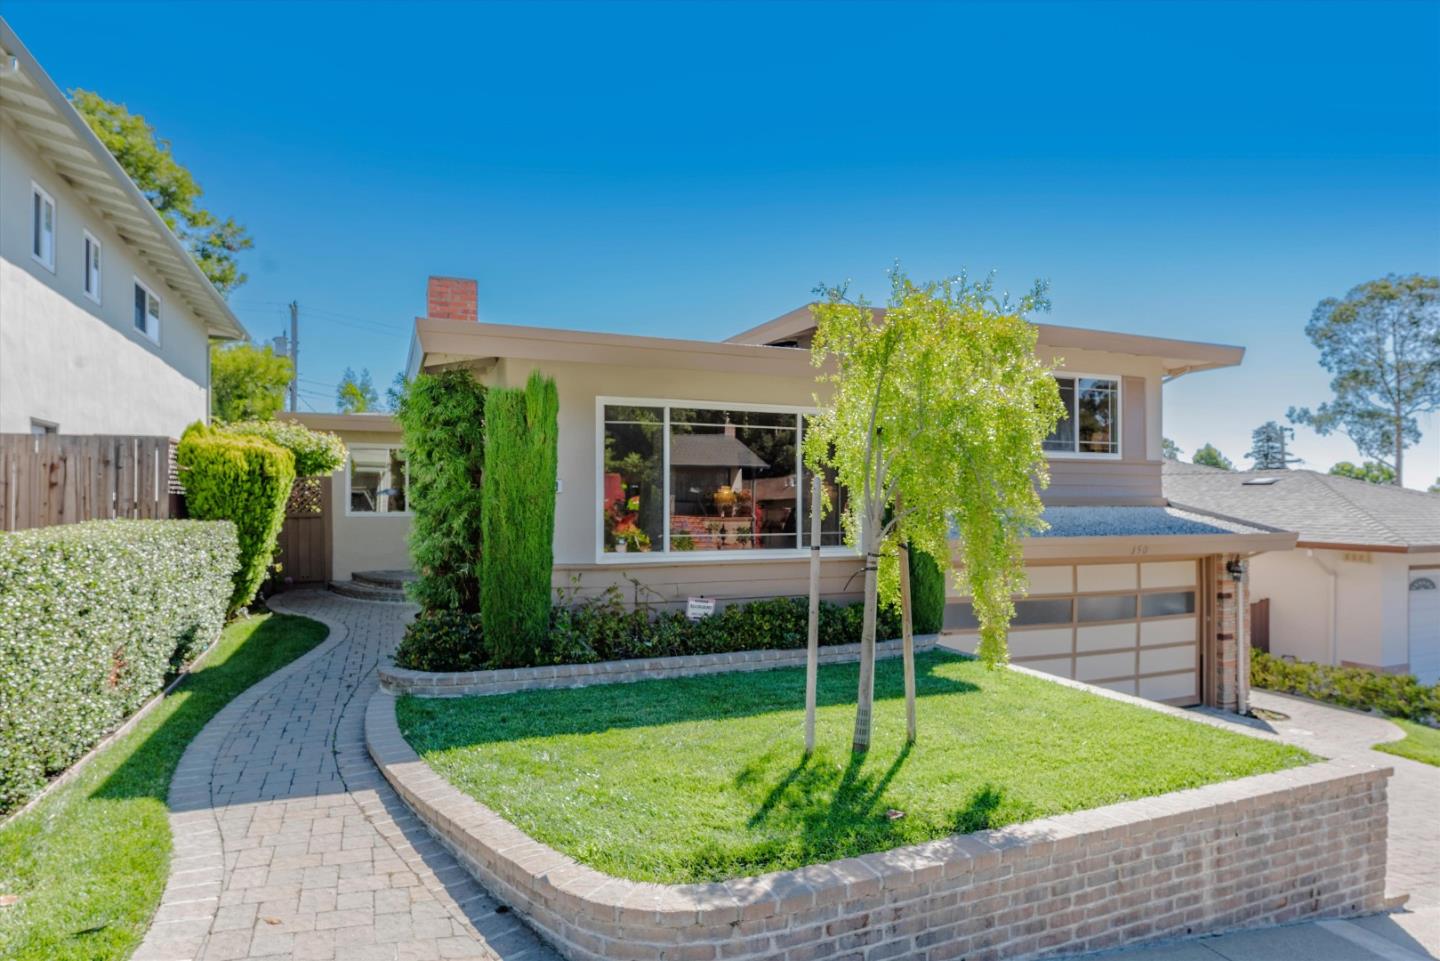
(1404, 936)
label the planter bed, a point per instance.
(1075, 857)
(402, 680)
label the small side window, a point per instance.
(147, 312)
(92, 267)
(42, 234)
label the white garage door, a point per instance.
(1129, 627)
(1425, 625)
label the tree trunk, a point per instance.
(907, 644)
(1399, 449)
(812, 646)
(865, 699)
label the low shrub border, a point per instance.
(93, 617)
(604, 629)
(1304, 842)
(1397, 695)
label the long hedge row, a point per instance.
(92, 618)
(1398, 695)
(604, 628)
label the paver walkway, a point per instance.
(288, 842)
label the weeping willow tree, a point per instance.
(937, 415)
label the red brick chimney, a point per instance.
(452, 298)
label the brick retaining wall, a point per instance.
(461, 683)
(1303, 843)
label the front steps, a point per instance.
(387, 586)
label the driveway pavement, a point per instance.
(1413, 856)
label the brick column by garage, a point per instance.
(1229, 647)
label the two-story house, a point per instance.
(105, 320)
(680, 474)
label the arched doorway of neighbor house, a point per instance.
(1424, 627)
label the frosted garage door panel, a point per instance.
(1161, 659)
(1049, 640)
(1093, 667)
(1051, 580)
(1178, 631)
(1105, 577)
(1104, 637)
(1169, 687)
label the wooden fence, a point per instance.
(49, 479)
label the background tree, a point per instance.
(247, 382)
(943, 407)
(1267, 447)
(395, 391)
(1382, 344)
(1435, 487)
(1209, 456)
(356, 395)
(1372, 472)
(170, 188)
(1169, 449)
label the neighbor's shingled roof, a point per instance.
(712, 450)
(1326, 511)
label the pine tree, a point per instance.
(1267, 447)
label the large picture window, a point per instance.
(695, 478)
(377, 480)
(1091, 424)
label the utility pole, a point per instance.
(294, 357)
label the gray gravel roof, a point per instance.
(1135, 522)
(1322, 508)
(712, 450)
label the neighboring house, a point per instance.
(1361, 586)
(366, 506)
(679, 475)
(105, 320)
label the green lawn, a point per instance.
(90, 862)
(1421, 743)
(703, 778)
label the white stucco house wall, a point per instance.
(1362, 585)
(105, 320)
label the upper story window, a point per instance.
(42, 233)
(92, 267)
(1091, 424)
(147, 311)
(377, 481)
(696, 478)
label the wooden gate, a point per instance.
(48, 479)
(304, 553)
(1260, 625)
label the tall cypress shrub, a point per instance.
(443, 419)
(927, 594)
(243, 479)
(521, 430)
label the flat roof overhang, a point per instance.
(1152, 547)
(438, 344)
(1179, 356)
(344, 423)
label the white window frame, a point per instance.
(152, 335)
(91, 243)
(349, 464)
(38, 191)
(1077, 454)
(43, 428)
(667, 556)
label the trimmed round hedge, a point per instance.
(92, 618)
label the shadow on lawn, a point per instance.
(818, 812)
(442, 724)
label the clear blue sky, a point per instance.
(1205, 171)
